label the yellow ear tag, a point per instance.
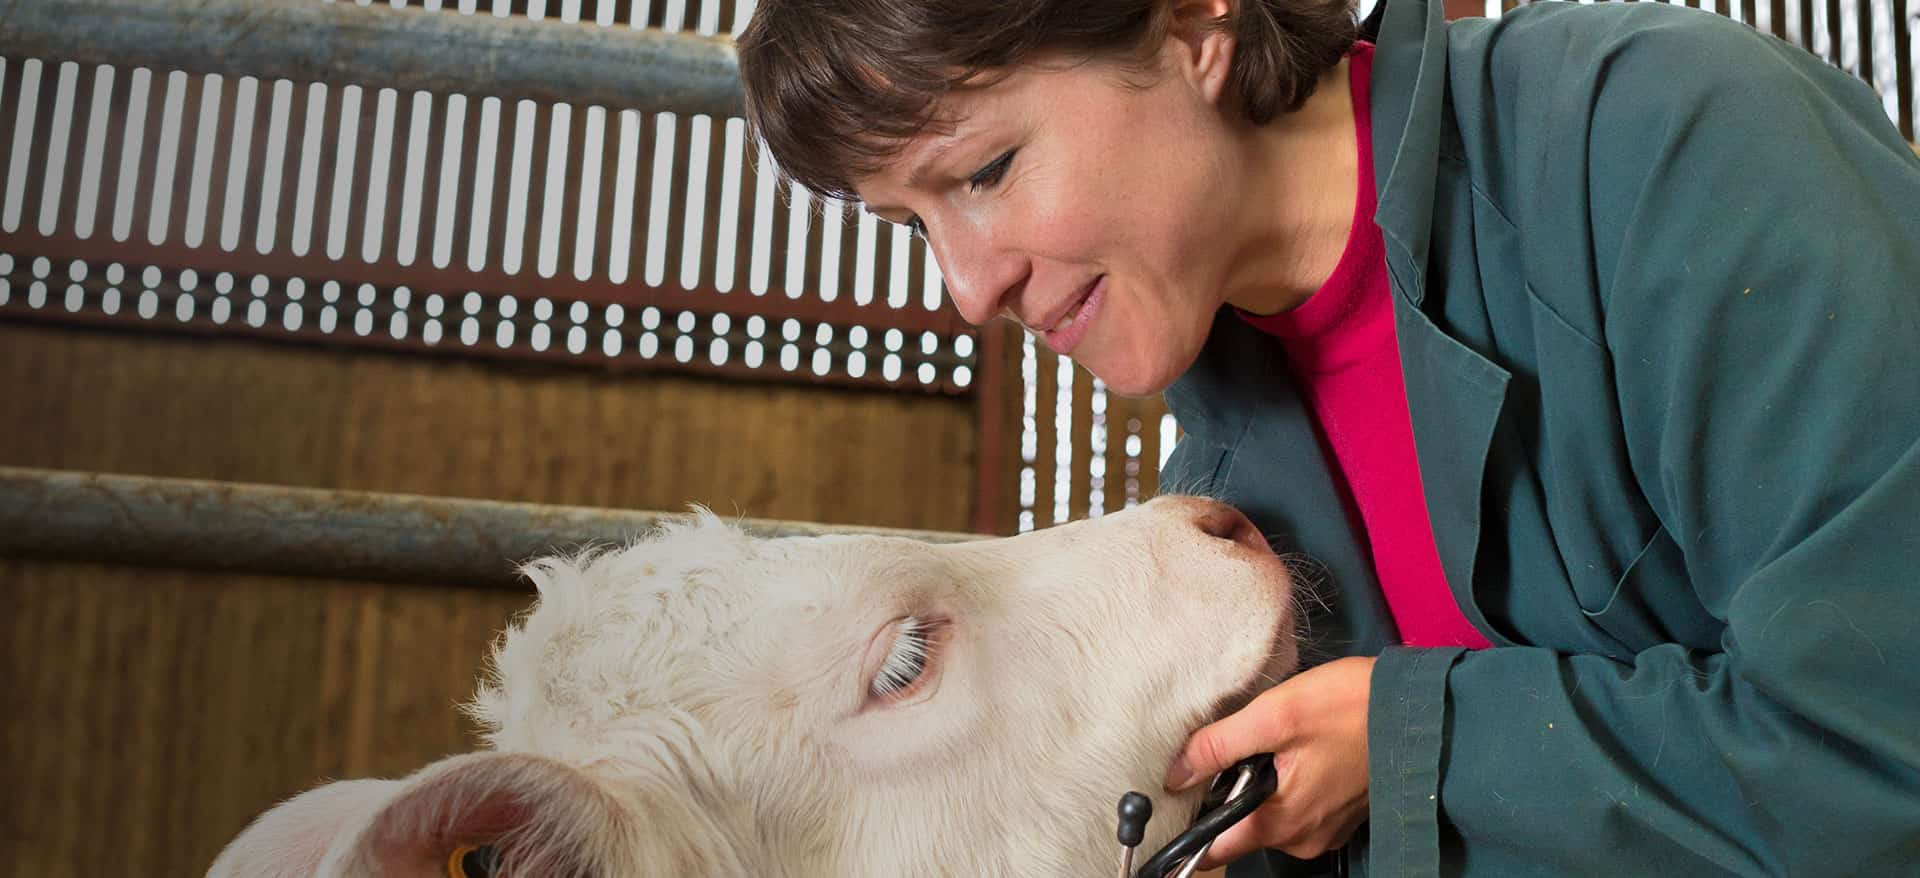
(454, 869)
(474, 861)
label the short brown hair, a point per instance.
(834, 86)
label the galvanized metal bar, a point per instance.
(631, 294)
(231, 526)
(379, 46)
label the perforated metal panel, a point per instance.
(453, 223)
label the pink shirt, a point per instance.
(1346, 362)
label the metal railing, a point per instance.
(275, 530)
(430, 181)
(408, 48)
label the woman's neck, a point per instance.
(1302, 170)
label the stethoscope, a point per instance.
(1236, 793)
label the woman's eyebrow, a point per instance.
(918, 176)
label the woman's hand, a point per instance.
(1315, 724)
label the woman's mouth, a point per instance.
(1066, 335)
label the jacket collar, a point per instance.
(1408, 88)
(1208, 400)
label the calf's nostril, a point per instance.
(1227, 523)
(1219, 523)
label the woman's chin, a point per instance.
(1135, 378)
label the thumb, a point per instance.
(1260, 727)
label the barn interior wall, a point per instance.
(313, 417)
(152, 713)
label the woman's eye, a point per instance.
(993, 172)
(906, 661)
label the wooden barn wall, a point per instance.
(152, 714)
(244, 411)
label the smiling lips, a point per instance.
(1066, 330)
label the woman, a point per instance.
(1581, 347)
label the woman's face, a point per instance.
(1101, 215)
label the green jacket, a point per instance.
(1656, 283)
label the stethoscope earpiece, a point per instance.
(1135, 810)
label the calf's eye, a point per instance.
(907, 660)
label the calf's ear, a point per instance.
(289, 840)
(481, 814)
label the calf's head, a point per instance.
(706, 702)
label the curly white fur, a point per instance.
(698, 702)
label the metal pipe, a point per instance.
(511, 58)
(277, 530)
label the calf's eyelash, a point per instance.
(906, 661)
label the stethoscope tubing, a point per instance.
(1254, 780)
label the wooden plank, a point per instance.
(997, 425)
(359, 175)
(39, 146)
(542, 146)
(119, 110)
(603, 232)
(166, 709)
(1045, 423)
(1833, 32)
(1120, 410)
(1080, 474)
(73, 182)
(9, 120)
(254, 206)
(226, 131)
(776, 223)
(318, 417)
(1863, 16)
(505, 154)
(468, 182)
(399, 144)
(314, 204)
(1904, 24)
(569, 219)
(426, 234)
(644, 135)
(189, 150)
(744, 215)
(709, 231)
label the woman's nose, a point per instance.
(981, 278)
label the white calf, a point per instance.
(704, 702)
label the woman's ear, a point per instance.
(1200, 30)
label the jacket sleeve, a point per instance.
(1756, 234)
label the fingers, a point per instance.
(1239, 840)
(1316, 725)
(1270, 829)
(1304, 818)
(1260, 727)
